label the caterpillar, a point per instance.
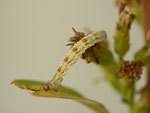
(78, 49)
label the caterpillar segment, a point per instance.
(76, 51)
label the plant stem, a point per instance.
(146, 18)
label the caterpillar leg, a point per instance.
(52, 85)
(49, 86)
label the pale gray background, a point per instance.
(33, 35)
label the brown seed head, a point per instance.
(131, 69)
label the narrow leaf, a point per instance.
(35, 88)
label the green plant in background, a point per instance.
(121, 74)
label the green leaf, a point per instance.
(61, 92)
(29, 84)
(143, 54)
(121, 41)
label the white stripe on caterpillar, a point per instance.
(79, 48)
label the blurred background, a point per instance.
(33, 35)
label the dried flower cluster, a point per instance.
(125, 18)
(78, 36)
(131, 69)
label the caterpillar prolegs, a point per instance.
(78, 49)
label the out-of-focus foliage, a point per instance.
(143, 54)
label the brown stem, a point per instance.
(146, 17)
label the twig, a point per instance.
(146, 17)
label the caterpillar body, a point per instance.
(79, 48)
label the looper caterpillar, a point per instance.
(79, 48)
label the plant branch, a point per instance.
(146, 18)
